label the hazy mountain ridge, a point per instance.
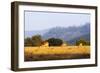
(70, 34)
(85, 37)
(67, 33)
(32, 33)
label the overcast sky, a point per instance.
(45, 20)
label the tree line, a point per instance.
(38, 41)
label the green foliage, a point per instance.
(37, 40)
(55, 42)
(34, 41)
(28, 42)
(84, 42)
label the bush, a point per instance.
(55, 42)
(28, 42)
(36, 40)
(83, 42)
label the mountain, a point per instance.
(85, 37)
(68, 34)
(32, 33)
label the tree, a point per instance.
(36, 40)
(28, 42)
(84, 42)
(55, 42)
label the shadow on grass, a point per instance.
(55, 57)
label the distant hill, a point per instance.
(69, 34)
(32, 33)
(85, 37)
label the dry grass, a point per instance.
(52, 53)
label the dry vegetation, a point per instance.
(56, 53)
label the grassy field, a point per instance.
(56, 53)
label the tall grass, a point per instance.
(61, 52)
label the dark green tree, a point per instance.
(84, 42)
(28, 42)
(55, 42)
(36, 40)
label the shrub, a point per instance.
(84, 42)
(28, 42)
(55, 42)
(36, 40)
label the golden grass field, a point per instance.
(52, 53)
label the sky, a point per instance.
(35, 20)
